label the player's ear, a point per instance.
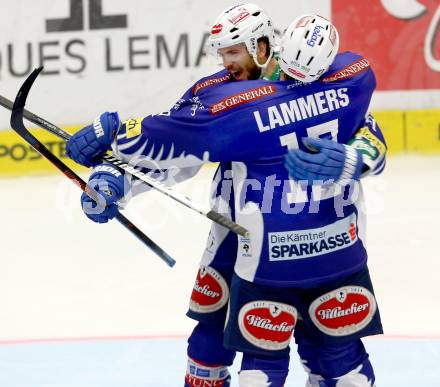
(262, 50)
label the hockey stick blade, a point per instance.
(136, 173)
(18, 125)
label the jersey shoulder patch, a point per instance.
(212, 80)
(346, 65)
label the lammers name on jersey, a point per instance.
(250, 125)
(301, 108)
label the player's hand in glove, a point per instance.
(108, 184)
(87, 145)
(331, 163)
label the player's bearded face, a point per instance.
(238, 62)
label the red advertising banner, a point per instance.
(401, 39)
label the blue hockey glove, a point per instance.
(108, 184)
(94, 140)
(332, 162)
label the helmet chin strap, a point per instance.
(264, 65)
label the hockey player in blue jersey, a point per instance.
(276, 242)
(247, 53)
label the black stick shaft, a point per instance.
(37, 120)
(18, 125)
(137, 174)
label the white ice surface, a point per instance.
(61, 276)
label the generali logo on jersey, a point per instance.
(351, 70)
(241, 98)
(210, 292)
(268, 325)
(210, 82)
(343, 311)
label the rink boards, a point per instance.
(414, 131)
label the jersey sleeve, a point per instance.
(370, 141)
(168, 177)
(189, 135)
(173, 175)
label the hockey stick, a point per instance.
(213, 215)
(18, 125)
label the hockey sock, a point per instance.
(263, 371)
(203, 375)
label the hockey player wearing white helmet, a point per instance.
(333, 355)
(243, 39)
(308, 49)
(309, 46)
(269, 296)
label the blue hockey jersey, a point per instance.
(299, 235)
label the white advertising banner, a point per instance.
(136, 57)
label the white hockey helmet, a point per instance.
(308, 47)
(242, 23)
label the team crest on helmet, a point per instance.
(333, 35)
(239, 15)
(296, 72)
(267, 324)
(343, 311)
(216, 29)
(303, 21)
(210, 292)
